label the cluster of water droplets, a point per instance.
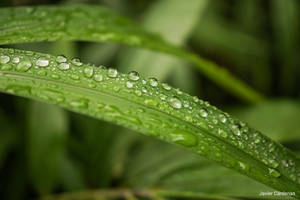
(160, 96)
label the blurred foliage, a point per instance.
(45, 150)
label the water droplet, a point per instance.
(24, 66)
(74, 77)
(166, 86)
(76, 61)
(175, 102)
(203, 112)
(134, 76)
(153, 82)
(61, 59)
(273, 163)
(222, 118)
(98, 77)
(138, 92)
(64, 66)
(112, 73)
(243, 166)
(184, 138)
(274, 173)
(6, 67)
(235, 129)
(42, 62)
(151, 102)
(129, 84)
(79, 103)
(222, 133)
(4, 59)
(16, 60)
(88, 72)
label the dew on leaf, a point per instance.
(61, 59)
(133, 75)
(64, 66)
(24, 66)
(112, 73)
(76, 61)
(42, 62)
(129, 84)
(175, 102)
(153, 82)
(166, 86)
(274, 173)
(4, 59)
(184, 138)
(203, 112)
(88, 72)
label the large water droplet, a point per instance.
(175, 102)
(76, 61)
(61, 59)
(42, 62)
(274, 173)
(88, 72)
(4, 59)
(166, 86)
(203, 112)
(153, 82)
(134, 76)
(112, 73)
(24, 66)
(184, 138)
(64, 66)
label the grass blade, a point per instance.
(50, 23)
(151, 108)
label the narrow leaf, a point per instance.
(151, 108)
(49, 23)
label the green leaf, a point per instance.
(32, 24)
(151, 108)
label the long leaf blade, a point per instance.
(151, 108)
(93, 23)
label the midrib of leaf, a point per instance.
(146, 112)
(93, 23)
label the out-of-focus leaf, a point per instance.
(173, 19)
(47, 131)
(286, 26)
(157, 165)
(279, 119)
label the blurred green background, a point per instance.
(44, 149)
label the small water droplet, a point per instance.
(222, 133)
(184, 138)
(134, 76)
(175, 102)
(42, 62)
(151, 102)
(74, 77)
(138, 92)
(64, 66)
(16, 60)
(61, 59)
(24, 66)
(243, 166)
(4, 59)
(153, 82)
(235, 129)
(166, 86)
(88, 72)
(79, 103)
(76, 61)
(222, 118)
(129, 84)
(274, 173)
(203, 112)
(98, 77)
(112, 73)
